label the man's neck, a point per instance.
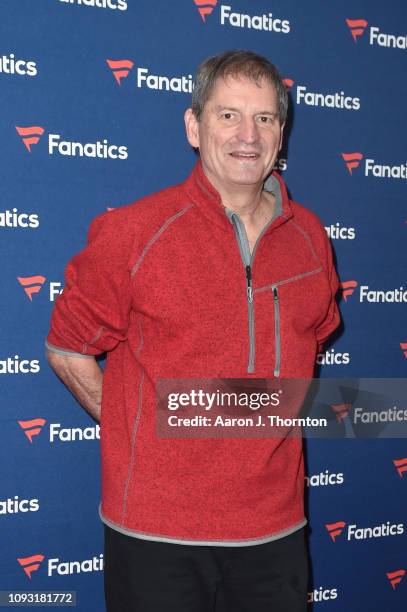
(254, 206)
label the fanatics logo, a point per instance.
(353, 532)
(12, 218)
(337, 232)
(401, 466)
(336, 99)
(15, 365)
(352, 160)
(403, 346)
(205, 7)
(335, 529)
(376, 37)
(265, 22)
(357, 27)
(68, 434)
(10, 65)
(120, 5)
(15, 505)
(30, 135)
(120, 68)
(322, 594)
(30, 564)
(395, 577)
(64, 568)
(31, 284)
(348, 287)
(324, 479)
(332, 358)
(391, 296)
(32, 427)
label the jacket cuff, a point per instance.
(64, 351)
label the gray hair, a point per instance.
(237, 64)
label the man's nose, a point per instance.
(248, 130)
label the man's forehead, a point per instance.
(240, 85)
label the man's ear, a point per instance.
(191, 128)
(281, 136)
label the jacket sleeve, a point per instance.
(91, 316)
(332, 318)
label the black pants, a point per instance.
(146, 576)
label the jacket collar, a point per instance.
(206, 197)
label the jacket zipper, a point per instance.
(247, 262)
(247, 259)
(250, 367)
(277, 339)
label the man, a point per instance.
(224, 277)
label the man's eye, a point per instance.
(266, 119)
(227, 115)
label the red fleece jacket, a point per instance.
(162, 288)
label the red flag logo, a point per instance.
(288, 83)
(356, 27)
(335, 529)
(403, 346)
(395, 577)
(31, 284)
(401, 466)
(205, 7)
(120, 68)
(348, 287)
(30, 135)
(352, 160)
(32, 427)
(30, 564)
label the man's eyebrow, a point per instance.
(267, 112)
(221, 107)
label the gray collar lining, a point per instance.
(272, 186)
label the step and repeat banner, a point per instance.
(92, 100)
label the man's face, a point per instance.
(238, 134)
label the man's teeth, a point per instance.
(245, 154)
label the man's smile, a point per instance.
(245, 155)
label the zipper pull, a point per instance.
(275, 293)
(249, 284)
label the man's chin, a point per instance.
(248, 179)
(248, 173)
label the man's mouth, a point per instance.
(244, 155)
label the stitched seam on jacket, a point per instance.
(133, 449)
(289, 280)
(94, 339)
(140, 346)
(208, 193)
(136, 353)
(307, 237)
(156, 237)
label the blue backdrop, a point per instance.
(114, 77)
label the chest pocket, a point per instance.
(296, 305)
